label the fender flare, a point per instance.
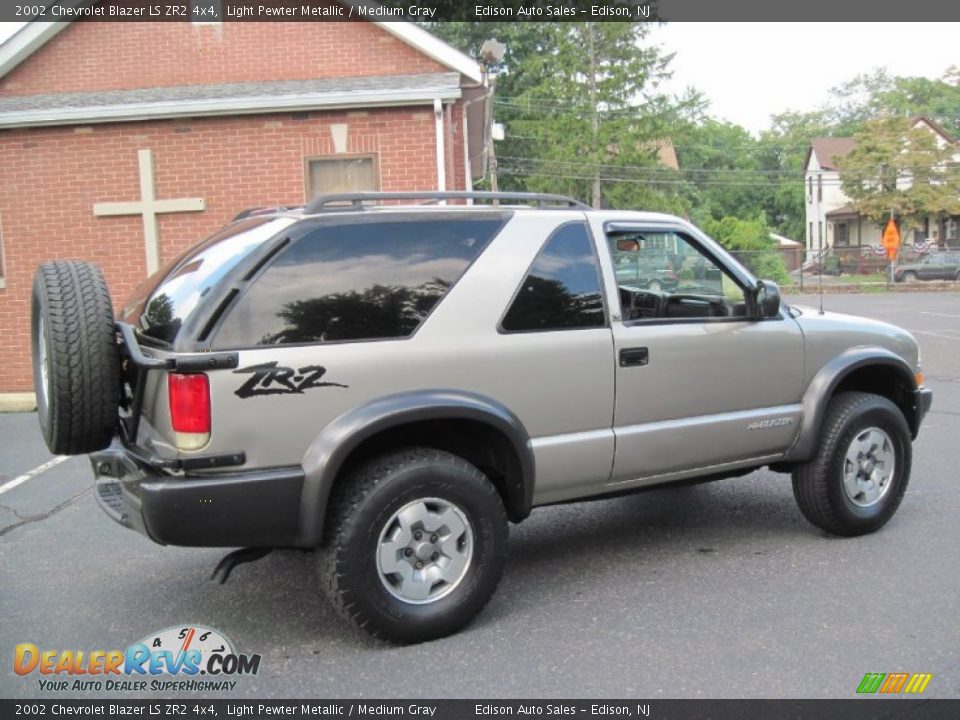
(331, 448)
(825, 382)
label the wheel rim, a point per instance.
(42, 360)
(424, 551)
(868, 467)
(910, 277)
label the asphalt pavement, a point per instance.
(716, 590)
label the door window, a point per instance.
(665, 276)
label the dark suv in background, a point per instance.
(935, 266)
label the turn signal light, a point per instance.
(919, 378)
(190, 409)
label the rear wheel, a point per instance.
(415, 545)
(75, 358)
(909, 277)
(857, 479)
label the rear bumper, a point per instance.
(243, 509)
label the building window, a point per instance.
(354, 173)
(810, 234)
(841, 234)
(951, 229)
(820, 188)
(562, 289)
(810, 188)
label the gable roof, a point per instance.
(827, 150)
(34, 35)
(917, 120)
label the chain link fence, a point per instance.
(866, 267)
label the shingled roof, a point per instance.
(828, 150)
(229, 98)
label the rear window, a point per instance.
(369, 279)
(161, 305)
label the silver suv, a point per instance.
(392, 384)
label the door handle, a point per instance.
(633, 357)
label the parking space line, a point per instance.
(33, 473)
(927, 332)
(927, 312)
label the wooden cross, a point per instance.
(149, 207)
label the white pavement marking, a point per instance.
(33, 473)
(927, 332)
(927, 312)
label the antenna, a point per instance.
(820, 229)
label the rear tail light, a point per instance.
(189, 409)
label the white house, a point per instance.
(832, 221)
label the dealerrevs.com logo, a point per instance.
(182, 659)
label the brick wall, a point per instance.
(52, 177)
(89, 56)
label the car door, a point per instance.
(932, 267)
(701, 387)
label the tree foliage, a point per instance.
(751, 243)
(895, 169)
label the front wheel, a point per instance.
(909, 277)
(855, 482)
(415, 545)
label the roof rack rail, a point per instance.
(336, 201)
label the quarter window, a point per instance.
(365, 279)
(562, 289)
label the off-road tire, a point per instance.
(78, 405)
(360, 506)
(818, 484)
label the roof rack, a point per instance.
(336, 201)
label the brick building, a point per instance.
(123, 143)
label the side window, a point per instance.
(662, 275)
(562, 289)
(368, 279)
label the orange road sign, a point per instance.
(891, 239)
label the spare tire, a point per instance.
(76, 366)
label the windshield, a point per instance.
(163, 302)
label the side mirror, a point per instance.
(766, 299)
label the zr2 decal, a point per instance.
(268, 379)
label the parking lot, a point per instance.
(716, 590)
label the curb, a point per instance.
(18, 402)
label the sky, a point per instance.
(750, 71)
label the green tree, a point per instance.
(596, 117)
(751, 243)
(727, 170)
(870, 95)
(582, 110)
(901, 170)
